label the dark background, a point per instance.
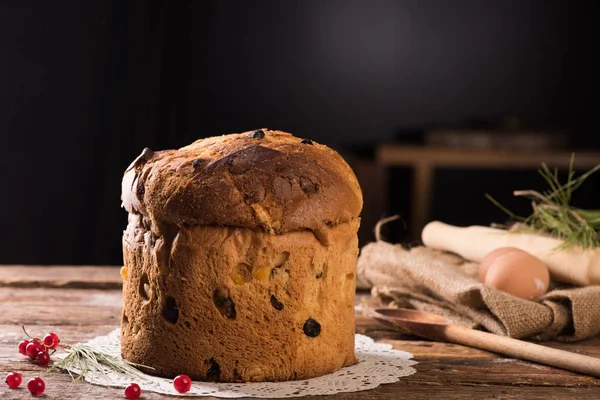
(85, 85)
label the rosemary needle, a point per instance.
(85, 358)
(552, 213)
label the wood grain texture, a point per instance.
(445, 371)
(60, 276)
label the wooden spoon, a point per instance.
(437, 328)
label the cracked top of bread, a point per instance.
(264, 179)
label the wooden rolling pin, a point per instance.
(572, 265)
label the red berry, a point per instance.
(51, 340)
(22, 347)
(43, 358)
(33, 349)
(182, 383)
(36, 386)
(133, 391)
(13, 380)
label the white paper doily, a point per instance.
(378, 363)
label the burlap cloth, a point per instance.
(444, 284)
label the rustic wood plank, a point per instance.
(48, 306)
(61, 297)
(26, 276)
(447, 379)
(400, 155)
(60, 386)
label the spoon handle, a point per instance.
(523, 350)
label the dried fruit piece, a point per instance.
(224, 303)
(170, 311)
(349, 287)
(124, 273)
(311, 328)
(241, 274)
(214, 370)
(257, 134)
(262, 274)
(306, 141)
(276, 303)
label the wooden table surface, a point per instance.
(79, 303)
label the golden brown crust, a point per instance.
(239, 305)
(279, 183)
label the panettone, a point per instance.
(240, 259)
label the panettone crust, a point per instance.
(274, 181)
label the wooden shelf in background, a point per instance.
(424, 160)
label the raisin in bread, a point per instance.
(240, 259)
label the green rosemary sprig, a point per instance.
(552, 213)
(85, 358)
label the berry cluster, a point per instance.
(39, 349)
(35, 385)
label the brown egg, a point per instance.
(518, 273)
(490, 258)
